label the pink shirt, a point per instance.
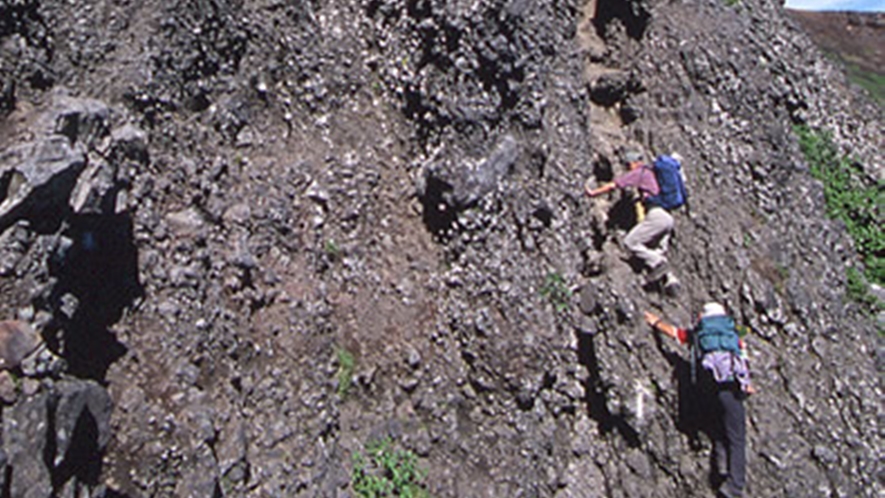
(642, 178)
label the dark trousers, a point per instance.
(730, 438)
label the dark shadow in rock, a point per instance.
(6, 180)
(111, 493)
(6, 490)
(496, 78)
(595, 394)
(439, 217)
(544, 214)
(622, 214)
(26, 20)
(631, 14)
(598, 238)
(44, 209)
(7, 97)
(603, 171)
(427, 118)
(100, 270)
(22, 18)
(622, 217)
(83, 457)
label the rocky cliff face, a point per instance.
(211, 206)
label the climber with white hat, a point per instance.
(724, 379)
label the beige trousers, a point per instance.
(648, 239)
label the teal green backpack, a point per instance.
(716, 333)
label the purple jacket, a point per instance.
(642, 178)
(727, 367)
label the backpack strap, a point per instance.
(648, 197)
(695, 352)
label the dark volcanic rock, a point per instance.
(17, 340)
(277, 231)
(53, 441)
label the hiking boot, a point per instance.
(658, 272)
(673, 287)
(726, 491)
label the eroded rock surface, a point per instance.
(244, 196)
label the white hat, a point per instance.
(712, 309)
(632, 156)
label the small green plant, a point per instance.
(332, 248)
(732, 3)
(346, 364)
(783, 272)
(556, 290)
(386, 471)
(859, 291)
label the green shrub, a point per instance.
(850, 200)
(556, 290)
(346, 364)
(386, 471)
(859, 290)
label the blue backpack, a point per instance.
(667, 172)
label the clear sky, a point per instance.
(852, 5)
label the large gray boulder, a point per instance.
(38, 177)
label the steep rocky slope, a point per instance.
(209, 205)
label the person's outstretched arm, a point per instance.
(607, 187)
(660, 325)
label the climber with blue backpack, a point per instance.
(662, 189)
(724, 382)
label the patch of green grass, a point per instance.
(556, 290)
(872, 82)
(850, 199)
(783, 274)
(346, 364)
(385, 471)
(859, 291)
